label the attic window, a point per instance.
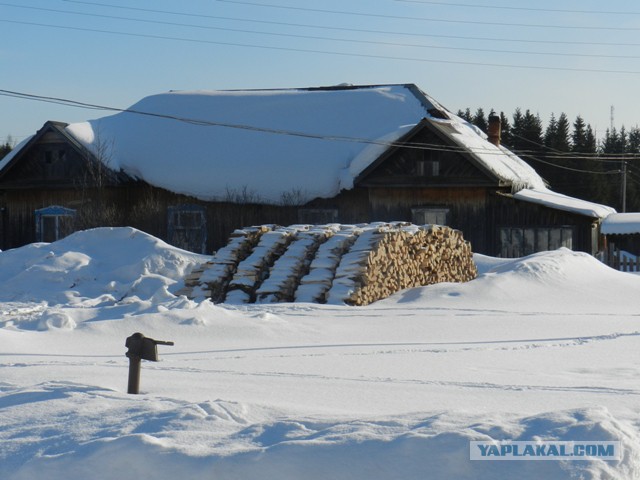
(428, 168)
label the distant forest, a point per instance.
(5, 147)
(570, 157)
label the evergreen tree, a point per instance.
(579, 137)
(480, 120)
(506, 130)
(551, 133)
(593, 185)
(466, 115)
(611, 142)
(633, 145)
(614, 143)
(633, 167)
(527, 132)
(622, 144)
(4, 149)
(562, 141)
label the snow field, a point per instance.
(543, 347)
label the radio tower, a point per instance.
(613, 110)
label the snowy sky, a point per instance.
(549, 57)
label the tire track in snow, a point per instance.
(408, 381)
(410, 347)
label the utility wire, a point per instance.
(529, 9)
(562, 167)
(360, 30)
(209, 123)
(427, 19)
(325, 52)
(314, 37)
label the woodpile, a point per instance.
(387, 260)
(284, 276)
(254, 269)
(214, 280)
(338, 264)
(322, 270)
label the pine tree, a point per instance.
(506, 130)
(562, 141)
(633, 145)
(611, 142)
(579, 136)
(551, 133)
(466, 115)
(578, 181)
(4, 149)
(480, 120)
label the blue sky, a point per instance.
(579, 57)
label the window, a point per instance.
(519, 242)
(54, 223)
(428, 168)
(429, 215)
(187, 227)
(317, 216)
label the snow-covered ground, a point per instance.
(543, 347)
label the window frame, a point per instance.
(57, 213)
(438, 211)
(516, 242)
(175, 212)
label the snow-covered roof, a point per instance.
(559, 201)
(621, 224)
(268, 144)
(498, 160)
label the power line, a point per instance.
(314, 37)
(562, 167)
(360, 30)
(326, 52)
(427, 19)
(529, 9)
(210, 123)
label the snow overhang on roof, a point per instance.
(313, 142)
(497, 160)
(621, 224)
(559, 201)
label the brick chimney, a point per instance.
(495, 129)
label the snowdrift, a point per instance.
(542, 347)
(104, 265)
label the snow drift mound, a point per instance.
(113, 437)
(92, 267)
(337, 264)
(560, 280)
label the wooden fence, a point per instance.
(620, 260)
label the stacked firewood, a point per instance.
(352, 264)
(284, 276)
(390, 259)
(316, 283)
(254, 269)
(214, 280)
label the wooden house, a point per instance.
(190, 167)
